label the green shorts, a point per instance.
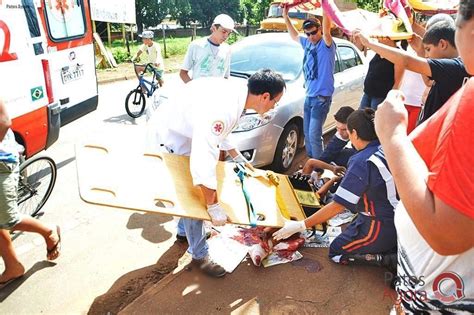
(9, 175)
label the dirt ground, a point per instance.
(313, 285)
(133, 284)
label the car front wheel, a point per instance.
(286, 149)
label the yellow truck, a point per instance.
(275, 22)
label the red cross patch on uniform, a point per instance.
(217, 127)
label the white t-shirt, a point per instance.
(205, 59)
(197, 121)
(152, 54)
(422, 271)
(9, 146)
(413, 87)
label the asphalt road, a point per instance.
(99, 244)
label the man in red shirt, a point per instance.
(433, 173)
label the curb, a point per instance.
(128, 77)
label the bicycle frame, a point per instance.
(149, 86)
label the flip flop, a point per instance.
(56, 247)
(5, 283)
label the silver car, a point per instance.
(274, 139)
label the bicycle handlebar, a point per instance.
(143, 64)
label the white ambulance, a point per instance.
(47, 67)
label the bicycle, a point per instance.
(36, 182)
(135, 101)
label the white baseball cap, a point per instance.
(147, 34)
(225, 21)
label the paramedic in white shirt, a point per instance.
(196, 123)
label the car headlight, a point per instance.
(254, 120)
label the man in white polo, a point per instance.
(210, 56)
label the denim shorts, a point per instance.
(9, 215)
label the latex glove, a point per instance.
(217, 213)
(290, 228)
(239, 158)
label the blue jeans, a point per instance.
(368, 101)
(196, 235)
(315, 112)
(381, 232)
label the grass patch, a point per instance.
(174, 47)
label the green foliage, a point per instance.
(205, 11)
(174, 46)
(254, 11)
(234, 38)
(181, 12)
(120, 54)
(151, 12)
(369, 5)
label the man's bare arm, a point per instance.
(396, 56)
(210, 195)
(327, 22)
(291, 28)
(5, 121)
(184, 75)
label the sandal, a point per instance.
(56, 248)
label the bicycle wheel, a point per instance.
(37, 179)
(135, 103)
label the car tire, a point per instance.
(286, 149)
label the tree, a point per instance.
(181, 11)
(205, 11)
(254, 11)
(151, 12)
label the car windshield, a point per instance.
(297, 15)
(275, 11)
(284, 57)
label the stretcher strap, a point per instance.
(241, 173)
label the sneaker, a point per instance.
(184, 239)
(209, 267)
(181, 238)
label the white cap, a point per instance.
(147, 34)
(225, 21)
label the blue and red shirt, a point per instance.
(368, 186)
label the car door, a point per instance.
(352, 75)
(338, 98)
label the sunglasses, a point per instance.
(311, 33)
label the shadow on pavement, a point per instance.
(151, 225)
(121, 119)
(10, 288)
(132, 285)
(65, 162)
(314, 285)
